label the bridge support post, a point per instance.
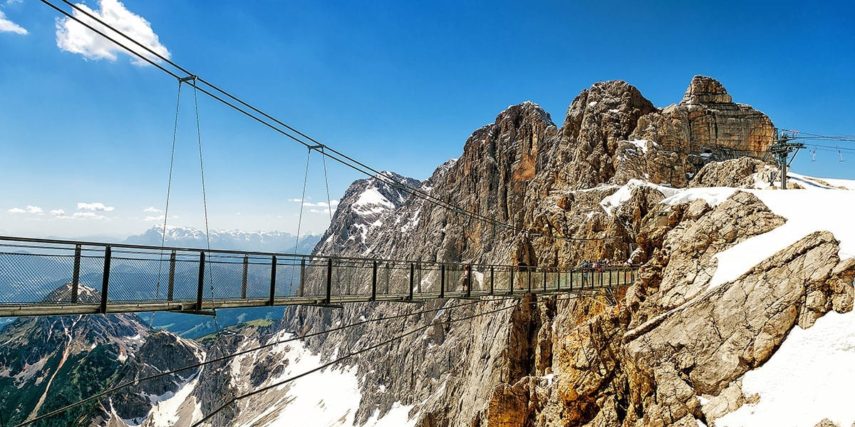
(492, 280)
(105, 280)
(170, 287)
(571, 280)
(329, 281)
(412, 281)
(75, 275)
(243, 280)
(558, 288)
(201, 284)
(374, 280)
(272, 296)
(442, 281)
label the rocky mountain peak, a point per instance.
(86, 294)
(706, 90)
(526, 110)
(610, 102)
(362, 209)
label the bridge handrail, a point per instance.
(460, 264)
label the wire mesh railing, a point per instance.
(45, 276)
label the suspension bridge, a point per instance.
(63, 277)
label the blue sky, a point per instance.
(399, 85)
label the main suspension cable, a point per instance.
(327, 152)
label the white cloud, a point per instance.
(307, 204)
(7, 26)
(73, 37)
(58, 213)
(88, 215)
(35, 210)
(152, 209)
(154, 218)
(94, 207)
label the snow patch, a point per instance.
(712, 195)
(167, 412)
(624, 193)
(643, 144)
(808, 379)
(328, 398)
(372, 201)
(398, 416)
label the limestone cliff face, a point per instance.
(632, 359)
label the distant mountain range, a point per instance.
(262, 241)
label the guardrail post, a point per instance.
(528, 274)
(544, 280)
(105, 281)
(469, 280)
(329, 281)
(272, 296)
(571, 279)
(374, 281)
(412, 280)
(201, 285)
(302, 276)
(511, 286)
(559, 279)
(442, 281)
(610, 278)
(243, 279)
(75, 275)
(419, 278)
(170, 287)
(492, 281)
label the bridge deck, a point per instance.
(61, 277)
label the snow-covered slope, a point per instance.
(810, 378)
(806, 211)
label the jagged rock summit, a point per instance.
(706, 90)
